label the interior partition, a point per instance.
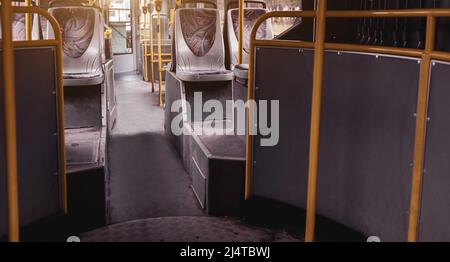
(367, 136)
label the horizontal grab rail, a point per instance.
(441, 12)
(235, 4)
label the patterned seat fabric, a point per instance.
(82, 33)
(199, 45)
(250, 17)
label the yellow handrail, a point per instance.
(152, 53)
(9, 99)
(159, 59)
(163, 54)
(144, 10)
(240, 31)
(28, 20)
(319, 44)
(10, 125)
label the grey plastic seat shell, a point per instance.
(207, 64)
(250, 17)
(241, 71)
(83, 44)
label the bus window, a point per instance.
(120, 23)
(280, 24)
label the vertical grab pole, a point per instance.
(144, 11)
(152, 53)
(315, 119)
(61, 135)
(9, 98)
(159, 59)
(249, 121)
(28, 22)
(421, 125)
(240, 31)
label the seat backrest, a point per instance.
(18, 23)
(198, 40)
(83, 41)
(18, 27)
(250, 17)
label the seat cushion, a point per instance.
(205, 75)
(83, 79)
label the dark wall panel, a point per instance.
(435, 212)
(36, 140)
(280, 172)
(366, 145)
(367, 137)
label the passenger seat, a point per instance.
(83, 42)
(199, 48)
(250, 17)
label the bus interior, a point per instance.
(225, 120)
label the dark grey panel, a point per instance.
(220, 90)
(226, 186)
(280, 172)
(367, 135)
(198, 183)
(367, 138)
(199, 154)
(223, 146)
(111, 101)
(435, 212)
(172, 94)
(240, 92)
(218, 173)
(36, 139)
(82, 106)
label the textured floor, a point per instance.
(146, 178)
(185, 229)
